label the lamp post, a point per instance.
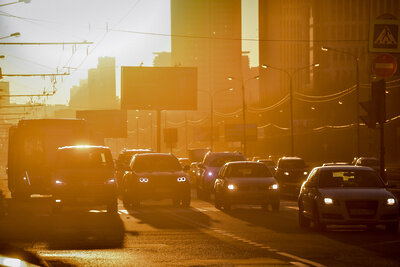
(244, 109)
(15, 34)
(211, 97)
(19, 1)
(291, 97)
(356, 60)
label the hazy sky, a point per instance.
(112, 26)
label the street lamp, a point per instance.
(290, 97)
(357, 60)
(15, 34)
(244, 108)
(211, 97)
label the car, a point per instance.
(372, 162)
(194, 171)
(346, 195)
(269, 163)
(123, 161)
(84, 176)
(246, 182)
(155, 176)
(290, 173)
(185, 162)
(209, 169)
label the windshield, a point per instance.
(369, 162)
(292, 164)
(153, 163)
(84, 158)
(344, 179)
(221, 160)
(248, 170)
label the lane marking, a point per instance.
(218, 231)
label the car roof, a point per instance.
(344, 167)
(244, 162)
(152, 154)
(291, 158)
(84, 147)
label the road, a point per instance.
(158, 234)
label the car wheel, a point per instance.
(275, 205)
(303, 221)
(186, 201)
(392, 227)
(227, 206)
(318, 225)
(199, 193)
(218, 200)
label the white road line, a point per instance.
(313, 263)
(218, 231)
(296, 263)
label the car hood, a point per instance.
(356, 193)
(149, 174)
(252, 181)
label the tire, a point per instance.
(303, 221)
(186, 201)
(227, 206)
(318, 225)
(218, 201)
(275, 205)
(392, 227)
(199, 193)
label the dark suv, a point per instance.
(209, 168)
(155, 176)
(290, 173)
(84, 176)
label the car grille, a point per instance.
(253, 188)
(362, 209)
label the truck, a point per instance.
(32, 147)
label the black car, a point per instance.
(290, 173)
(155, 176)
(84, 176)
(246, 182)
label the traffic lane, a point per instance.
(342, 246)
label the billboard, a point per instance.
(106, 123)
(159, 88)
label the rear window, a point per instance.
(221, 160)
(248, 170)
(292, 164)
(344, 179)
(156, 163)
(84, 158)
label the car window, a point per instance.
(312, 179)
(156, 163)
(292, 164)
(248, 170)
(349, 179)
(221, 160)
(84, 158)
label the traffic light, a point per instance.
(375, 108)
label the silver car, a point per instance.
(346, 195)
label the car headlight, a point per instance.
(110, 181)
(273, 187)
(59, 182)
(328, 201)
(144, 180)
(210, 174)
(305, 173)
(286, 173)
(390, 201)
(181, 179)
(231, 187)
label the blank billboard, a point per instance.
(159, 88)
(105, 123)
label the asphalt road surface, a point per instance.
(158, 234)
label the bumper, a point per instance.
(85, 196)
(143, 192)
(340, 215)
(251, 197)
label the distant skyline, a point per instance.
(130, 31)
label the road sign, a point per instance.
(384, 36)
(384, 65)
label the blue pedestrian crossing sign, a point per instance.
(384, 36)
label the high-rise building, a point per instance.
(207, 34)
(4, 90)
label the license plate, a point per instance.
(361, 212)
